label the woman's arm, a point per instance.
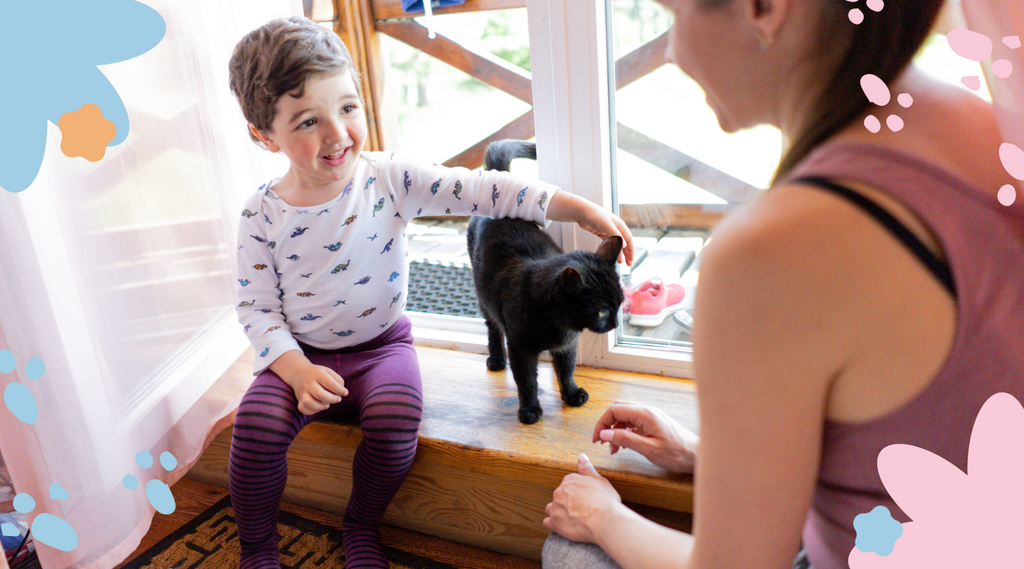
(771, 331)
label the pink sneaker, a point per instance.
(653, 302)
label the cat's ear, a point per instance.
(570, 280)
(609, 249)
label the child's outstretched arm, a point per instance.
(565, 206)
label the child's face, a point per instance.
(322, 132)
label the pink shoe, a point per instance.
(653, 301)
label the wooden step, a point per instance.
(480, 476)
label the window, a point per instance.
(649, 146)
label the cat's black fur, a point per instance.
(536, 296)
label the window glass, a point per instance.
(675, 173)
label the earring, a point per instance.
(763, 41)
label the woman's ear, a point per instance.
(767, 17)
(265, 141)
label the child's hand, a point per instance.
(565, 206)
(316, 387)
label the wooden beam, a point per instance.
(392, 9)
(354, 25)
(684, 166)
(641, 61)
(473, 157)
(674, 216)
(484, 67)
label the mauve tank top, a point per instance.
(984, 246)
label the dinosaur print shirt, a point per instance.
(336, 275)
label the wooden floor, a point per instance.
(193, 497)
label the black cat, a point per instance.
(536, 296)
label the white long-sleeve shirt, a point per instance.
(336, 274)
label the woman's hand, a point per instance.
(565, 206)
(650, 432)
(581, 504)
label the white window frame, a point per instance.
(571, 93)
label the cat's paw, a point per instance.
(530, 415)
(495, 364)
(576, 398)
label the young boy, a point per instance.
(323, 273)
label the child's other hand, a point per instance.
(317, 388)
(565, 206)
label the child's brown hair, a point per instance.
(276, 59)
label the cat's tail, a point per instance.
(500, 153)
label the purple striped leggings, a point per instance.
(383, 381)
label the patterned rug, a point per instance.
(210, 541)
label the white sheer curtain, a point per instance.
(118, 276)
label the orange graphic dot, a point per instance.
(86, 133)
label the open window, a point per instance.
(613, 121)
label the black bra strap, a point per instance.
(917, 248)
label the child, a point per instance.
(323, 271)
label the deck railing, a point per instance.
(359, 21)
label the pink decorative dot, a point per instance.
(894, 123)
(1007, 195)
(876, 5)
(1012, 42)
(875, 89)
(905, 100)
(972, 45)
(1002, 68)
(1012, 158)
(971, 82)
(872, 124)
(856, 16)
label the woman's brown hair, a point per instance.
(882, 45)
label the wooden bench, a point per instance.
(481, 477)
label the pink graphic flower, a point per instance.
(960, 519)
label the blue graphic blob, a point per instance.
(130, 482)
(160, 496)
(35, 368)
(57, 71)
(877, 532)
(57, 492)
(22, 403)
(168, 461)
(55, 532)
(9, 530)
(144, 459)
(24, 503)
(6, 361)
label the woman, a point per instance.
(871, 297)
